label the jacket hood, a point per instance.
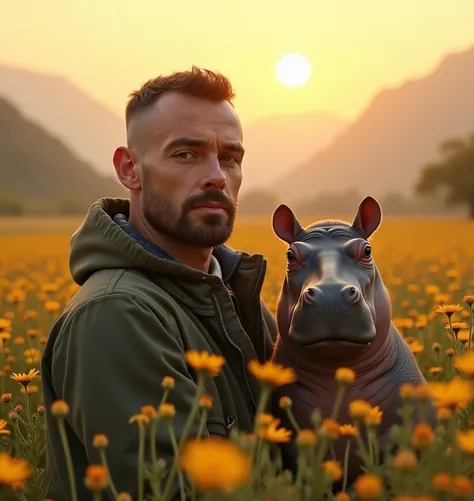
(100, 243)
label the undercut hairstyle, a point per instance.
(197, 82)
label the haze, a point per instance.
(108, 48)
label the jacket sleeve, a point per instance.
(109, 360)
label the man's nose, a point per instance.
(215, 177)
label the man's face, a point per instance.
(189, 157)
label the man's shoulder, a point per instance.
(118, 283)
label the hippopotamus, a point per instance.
(334, 311)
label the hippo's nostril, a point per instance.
(351, 294)
(311, 295)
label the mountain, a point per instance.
(385, 148)
(36, 165)
(90, 129)
(275, 144)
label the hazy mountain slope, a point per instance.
(275, 144)
(36, 165)
(90, 129)
(385, 147)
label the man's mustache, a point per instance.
(210, 196)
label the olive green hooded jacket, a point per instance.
(136, 314)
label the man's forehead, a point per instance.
(180, 114)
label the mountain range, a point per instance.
(297, 156)
(273, 145)
(384, 149)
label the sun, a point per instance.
(293, 70)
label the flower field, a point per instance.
(428, 268)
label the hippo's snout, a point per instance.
(332, 314)
(318, 296)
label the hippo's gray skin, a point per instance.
(334, 311)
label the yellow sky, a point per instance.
(109, 47)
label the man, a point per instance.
(157, 280)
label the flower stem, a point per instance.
(346, 465)
(103, 458)
(67, 454)
(97, 496)
(184, 436)
(176, 453)
(141, 461)
(202, 424)
(338, 401)
(292, 419)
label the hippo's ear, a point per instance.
(368, 216)
(285, 223)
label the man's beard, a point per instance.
(166, 218)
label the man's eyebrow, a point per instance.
(197, 142)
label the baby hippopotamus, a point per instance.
(334, 311)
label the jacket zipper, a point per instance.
(221, 319)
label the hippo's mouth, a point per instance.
(335, 342)
(332, 340)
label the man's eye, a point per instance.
(230, 159)
(184, 155)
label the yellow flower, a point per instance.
(214, 464)
(307, 437)
(96, 478)
(141, 419)
(345, 376)
(441, 482)
(469, 299)
(59, 408)
(52, 306)
(405, 460)
(465, 364)
(272, 374)
(465, 440)
(124, 496)
(416, 347)
(168, 383)
(205, 362)
(271, 433)
(422, 435)
(342, 496)
(368, 486)
(444, 414)
(453, 394)
(25, 379)
(149, 411)
(330, 428)
(285, 402)
(100, 441)
(3, 430)
(347, 430)
(5, 324)
(166, 411)
(13, 470)
(449, 309)
(359, 408)
(373, 416)
(462, 486)
(206, 402)
(332, 469)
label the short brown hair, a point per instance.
(198, 82)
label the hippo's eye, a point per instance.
(367, 251)
(290, 256)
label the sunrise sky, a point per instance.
(110, 47)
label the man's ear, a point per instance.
(125, 163)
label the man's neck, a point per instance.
(195, 257)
